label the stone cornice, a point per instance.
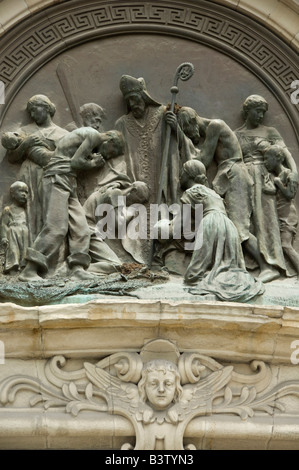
(229, 331)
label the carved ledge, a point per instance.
(103, 327)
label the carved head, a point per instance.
(160, 384)
(40, 107)
(193, 172)
(188, 120)
(92, 115)
(11, 140)
(136, 95)
(254, 108)
(19, 192)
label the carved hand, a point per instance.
(33, 140)
(171, 120)
(98, 160)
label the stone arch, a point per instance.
(279, 16)
(36, 40)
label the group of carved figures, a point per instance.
(249, 216)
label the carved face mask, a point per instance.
(160, 388)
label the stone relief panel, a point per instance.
(159, 390)
(82, 141)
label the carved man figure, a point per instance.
(92, 115)
(232, 180)
(64, 215)
(143, 128)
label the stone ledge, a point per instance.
(225, 330)
(97, 312)
(54, 430)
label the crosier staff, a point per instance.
(183, 72)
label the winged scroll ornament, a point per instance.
(159, 391)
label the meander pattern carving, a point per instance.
(208, 24)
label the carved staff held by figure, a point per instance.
(183, 72)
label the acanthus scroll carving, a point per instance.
(159, 390)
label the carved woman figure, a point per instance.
(254, 138)
(218, 267)
(285, 191)
(33, 152)
(232, 180)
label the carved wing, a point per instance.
(213, 395)
(197, 399)
(119, 395)
(203, 392)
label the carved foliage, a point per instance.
(159, 390)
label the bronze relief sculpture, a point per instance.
(148, 161)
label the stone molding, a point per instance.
(276, 15)
(228, 331)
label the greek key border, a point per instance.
(33, 42)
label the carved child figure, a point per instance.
(285, 189)
(11, 140)
(14, 230)
(37, 149)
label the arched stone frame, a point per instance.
(36, 40)
(280, 16)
